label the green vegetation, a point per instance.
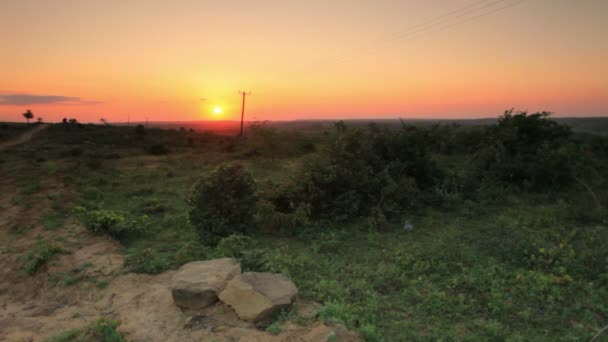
(40, 254)
(118, 225)
(430, 232)
(103, 329)
(223, 203)
(10, 130)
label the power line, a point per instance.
(435, 22)
(474, 7)
(438, 24)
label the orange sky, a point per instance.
(301, 59)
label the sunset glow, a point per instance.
(302, 60)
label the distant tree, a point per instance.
(28, 115)
(104, 121)
(39, 120)
(140, 130)
(265, 138)
(73, 121)
(64, 120)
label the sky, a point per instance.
(178, 60)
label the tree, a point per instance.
(28, 115)
(39, 120)
(140, 130)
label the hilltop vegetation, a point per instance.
(401, 232)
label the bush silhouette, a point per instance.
(158, 149)
(223, 203)
(140, 130)
(526, 150)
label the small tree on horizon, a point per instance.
(39, 120)
(28, 115)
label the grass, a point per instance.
(40, 254)
(53, 220)
(72, 277)
(511, 267)
(102, 329)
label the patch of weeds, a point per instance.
(102, 284)
(275, 328)
(70, 278)
(154, 207)
(31, 188)
(66, 336)
(147, 261)
(53, 220)
(65, 278)
(17, 230)
(116, 224)
(157, 149)
(43, 251)
(103, 329)
(7, 250)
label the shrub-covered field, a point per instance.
(402, 232)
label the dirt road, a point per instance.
(23, 137)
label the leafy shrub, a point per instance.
(117, 225)
(43, 251)
(223, 203)
(269, 220)
(234, 245)
(531, 152)
(146, 261)
(365, 170)
(74, 152)
(140, 130)
(158, 149)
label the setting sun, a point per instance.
(217, 110)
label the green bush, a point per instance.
(223, 203)
(158, 149)
(270, 220)
(363, 171)
(43, 251)
(234, 245)
(116, 224)
(529, 151)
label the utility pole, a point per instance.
(243, 109)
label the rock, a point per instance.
(256, 296)
(196, 284)
(307, 309)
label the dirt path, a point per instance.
(23, 137)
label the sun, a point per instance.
(217, 110)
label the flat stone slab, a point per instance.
(257, 296)
(197, 284)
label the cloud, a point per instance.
(31, 99)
